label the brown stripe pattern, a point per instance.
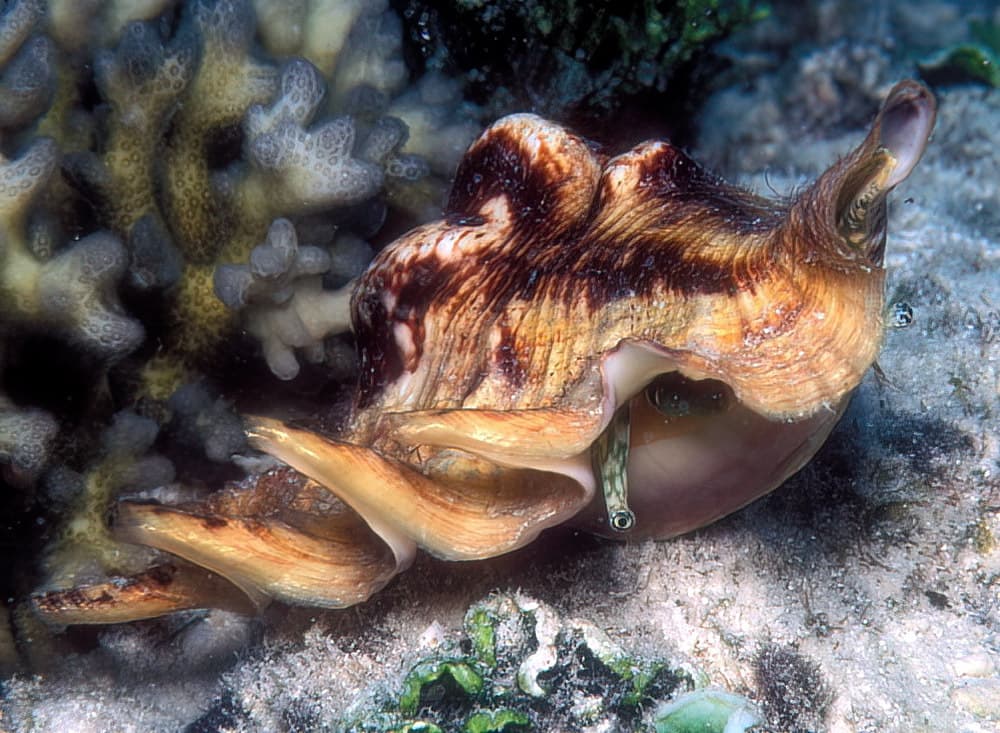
(548, 246)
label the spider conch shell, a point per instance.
(533, 357)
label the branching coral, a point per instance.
(74, 291)
(296, 169)
(354, 42)
(142, 82)
(71, 291)
(285, 304)
(25, 87)
(152, 154)
(66, 292)
(26, 437)
(169, 178)
(78, 24)
(291, 169)
(227, 82)
(17, 23)
(150, 146)
(205, 423)
(84, 547)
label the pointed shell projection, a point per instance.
(627, 343)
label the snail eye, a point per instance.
(854, 221)
(860, 205)
(676, 396)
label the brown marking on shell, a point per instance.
(638, 236)
(157, 591)
(545, 173)
(213, 522)
(536, 217)
(507, 357)
(649, 230)
(520, 173)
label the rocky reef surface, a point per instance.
(178, 206)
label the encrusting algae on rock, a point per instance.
(580, 336)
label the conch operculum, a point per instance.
(562, 293)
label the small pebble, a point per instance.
(980, 697)
(974, 665)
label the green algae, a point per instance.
(977, 62)
(480, 628)
(520, 666)
(450, 673)
(705, 711)
(497, 721)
